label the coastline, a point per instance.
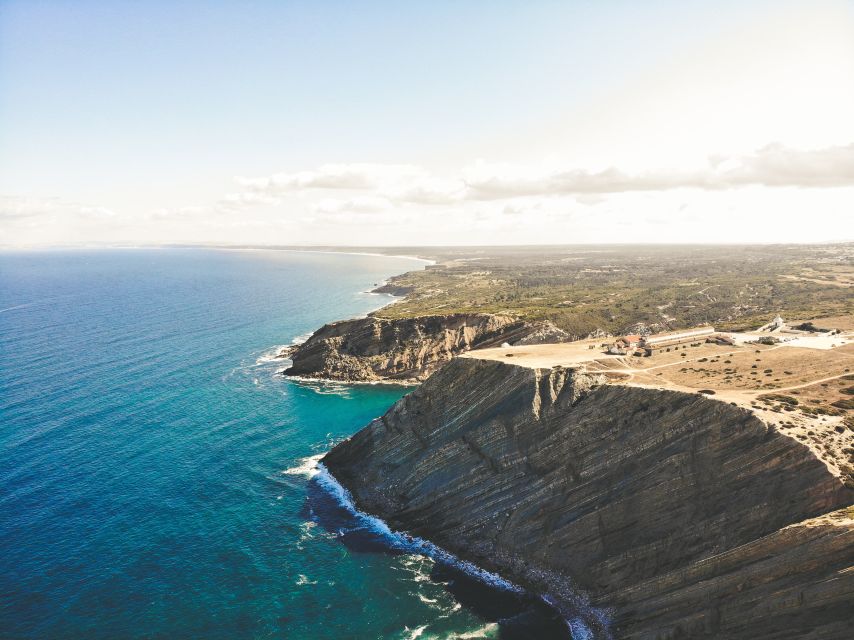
(499, 492)
(315, 470)
(417, 545)
(404, 541)
(373, 291)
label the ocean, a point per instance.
(156, 474)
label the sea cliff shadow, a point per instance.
(519, 616)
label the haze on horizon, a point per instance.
(380, 123)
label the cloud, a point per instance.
(175, 213)
(246, 198)
(354, 176)
(771, 166)
(402, 184)
(368, 204)
(345, 203)
(24, 208)
(776, 165)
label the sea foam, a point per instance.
(401, 541)
(308, 467)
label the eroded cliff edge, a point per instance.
(685, 516)
(406, 349)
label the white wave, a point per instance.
(414, 545)
(579, 629)
(419, 567)
(486, 631)
(306, 530)
(309, 466)
(274, 354)
(271, 355)
(412, 634)
(303, 580)
(18, 306)
(406, 542)
(327, 385)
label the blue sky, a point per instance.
(145, 115)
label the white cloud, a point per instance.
(489, 203)
(365, 204)
(379, 186)
(771, 166)
(26, 220)
(25, 208)
(354, 176)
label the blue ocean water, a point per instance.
(155, 470)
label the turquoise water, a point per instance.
(155, 475)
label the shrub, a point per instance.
(779, 397)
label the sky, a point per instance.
(415, 123)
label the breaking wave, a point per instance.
(498, 600)
(405, 543)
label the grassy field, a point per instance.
(615, 289)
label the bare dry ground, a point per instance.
(806, 393)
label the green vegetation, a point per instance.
(778, 397)
(617, 288)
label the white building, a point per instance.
(677, 336)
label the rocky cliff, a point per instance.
(679, 515)
(370, 349)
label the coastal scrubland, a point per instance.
(617, 289)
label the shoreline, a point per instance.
(491, 506)
(417, 545)
(300, 339)
(403, 540)
(316, 470)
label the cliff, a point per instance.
(408, 349)
(679, 515)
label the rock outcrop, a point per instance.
(408, 349)
(546, 333)
(392, 289)
(677, 515)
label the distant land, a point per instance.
(482, 296)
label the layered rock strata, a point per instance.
(680, 515)
(408, 349)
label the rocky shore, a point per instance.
(405, 350)
(646, 513)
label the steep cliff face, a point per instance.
(685, 516)
(368, 349)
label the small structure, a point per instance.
(624, 345)
(678, 336)
(777, 324)
(667, 341)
